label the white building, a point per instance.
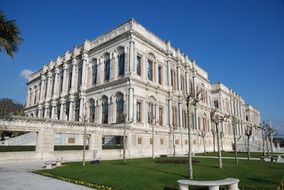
(130, 70)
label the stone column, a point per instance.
(114, 66)
(178, 76)
(53, 110)
(156, 77)
(130, 104)
(65, 80)
(180, 115)
(92, 141)
(40, 111)
(82, 113)
(49, 86)
(62, 104)
(84, 70)
(131, 60)
(42, 87)
(169, 73)
(114, 106)
(71, 108)
(98, 111)
(170, 122)
(73, 83)
(56, 80)
(100, 71)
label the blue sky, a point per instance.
(238, 42)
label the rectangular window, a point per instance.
(160, 116)
(70, 80)
(95, 68)
(184, 118)
(61, 83)
(79, 77)
(138, 112)
(77, 108)
(150, 70)
(173, 79)
(182, 83)
(151, 115)
(107, 69)
(138, 65)
(216, 104)
(121, 63)
(160, 74)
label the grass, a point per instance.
(145, 174)
(232, 154)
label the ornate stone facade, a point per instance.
(130, 70)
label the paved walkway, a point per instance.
(19, 177)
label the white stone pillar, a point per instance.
(169, 73)
(62, 104)
(71, 109)
(180, 115)
(42, 87)
(49, 86)
(65, 80)
(156, 77)
(113, 66)
(56, 81)
(73, 82)
(100, 71)
(82, 109)
(40, 111)
(84, 70)
(131, 60)
(178, 76)
(170, 122)
(130, 104)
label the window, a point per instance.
(119, 108)
(160, 74)
(35, 95)
(173, 79)
(139, 141)
(176, 141)
(67, 110)
(150, 112)
(216, 104)
(104, 110)
(71, 140)
(61, 83)
(121, 64)
(77, 108)
(138, 65)
(199, 123)
(138, 112)
(151, 141)
(70, 80)
(150, 70)
(58, 111)
(95, 68)
(161, 141)
(92, 111)
(160, 116)
(79, 77)
(107, 69)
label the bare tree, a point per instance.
(216, 119)
(213, 130)
(235, 122)
(248, 133)
(202, 134)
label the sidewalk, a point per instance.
(19, 177)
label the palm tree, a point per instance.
(9, 35)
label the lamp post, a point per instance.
(217, 118)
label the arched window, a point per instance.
(150, 70)
(92, 111)
(104, 109)
(119, 108)
(107, 66)
(121, 62)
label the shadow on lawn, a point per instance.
(259, 180)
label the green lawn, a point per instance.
(145, 174)
(232, 154)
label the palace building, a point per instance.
(131, 78)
